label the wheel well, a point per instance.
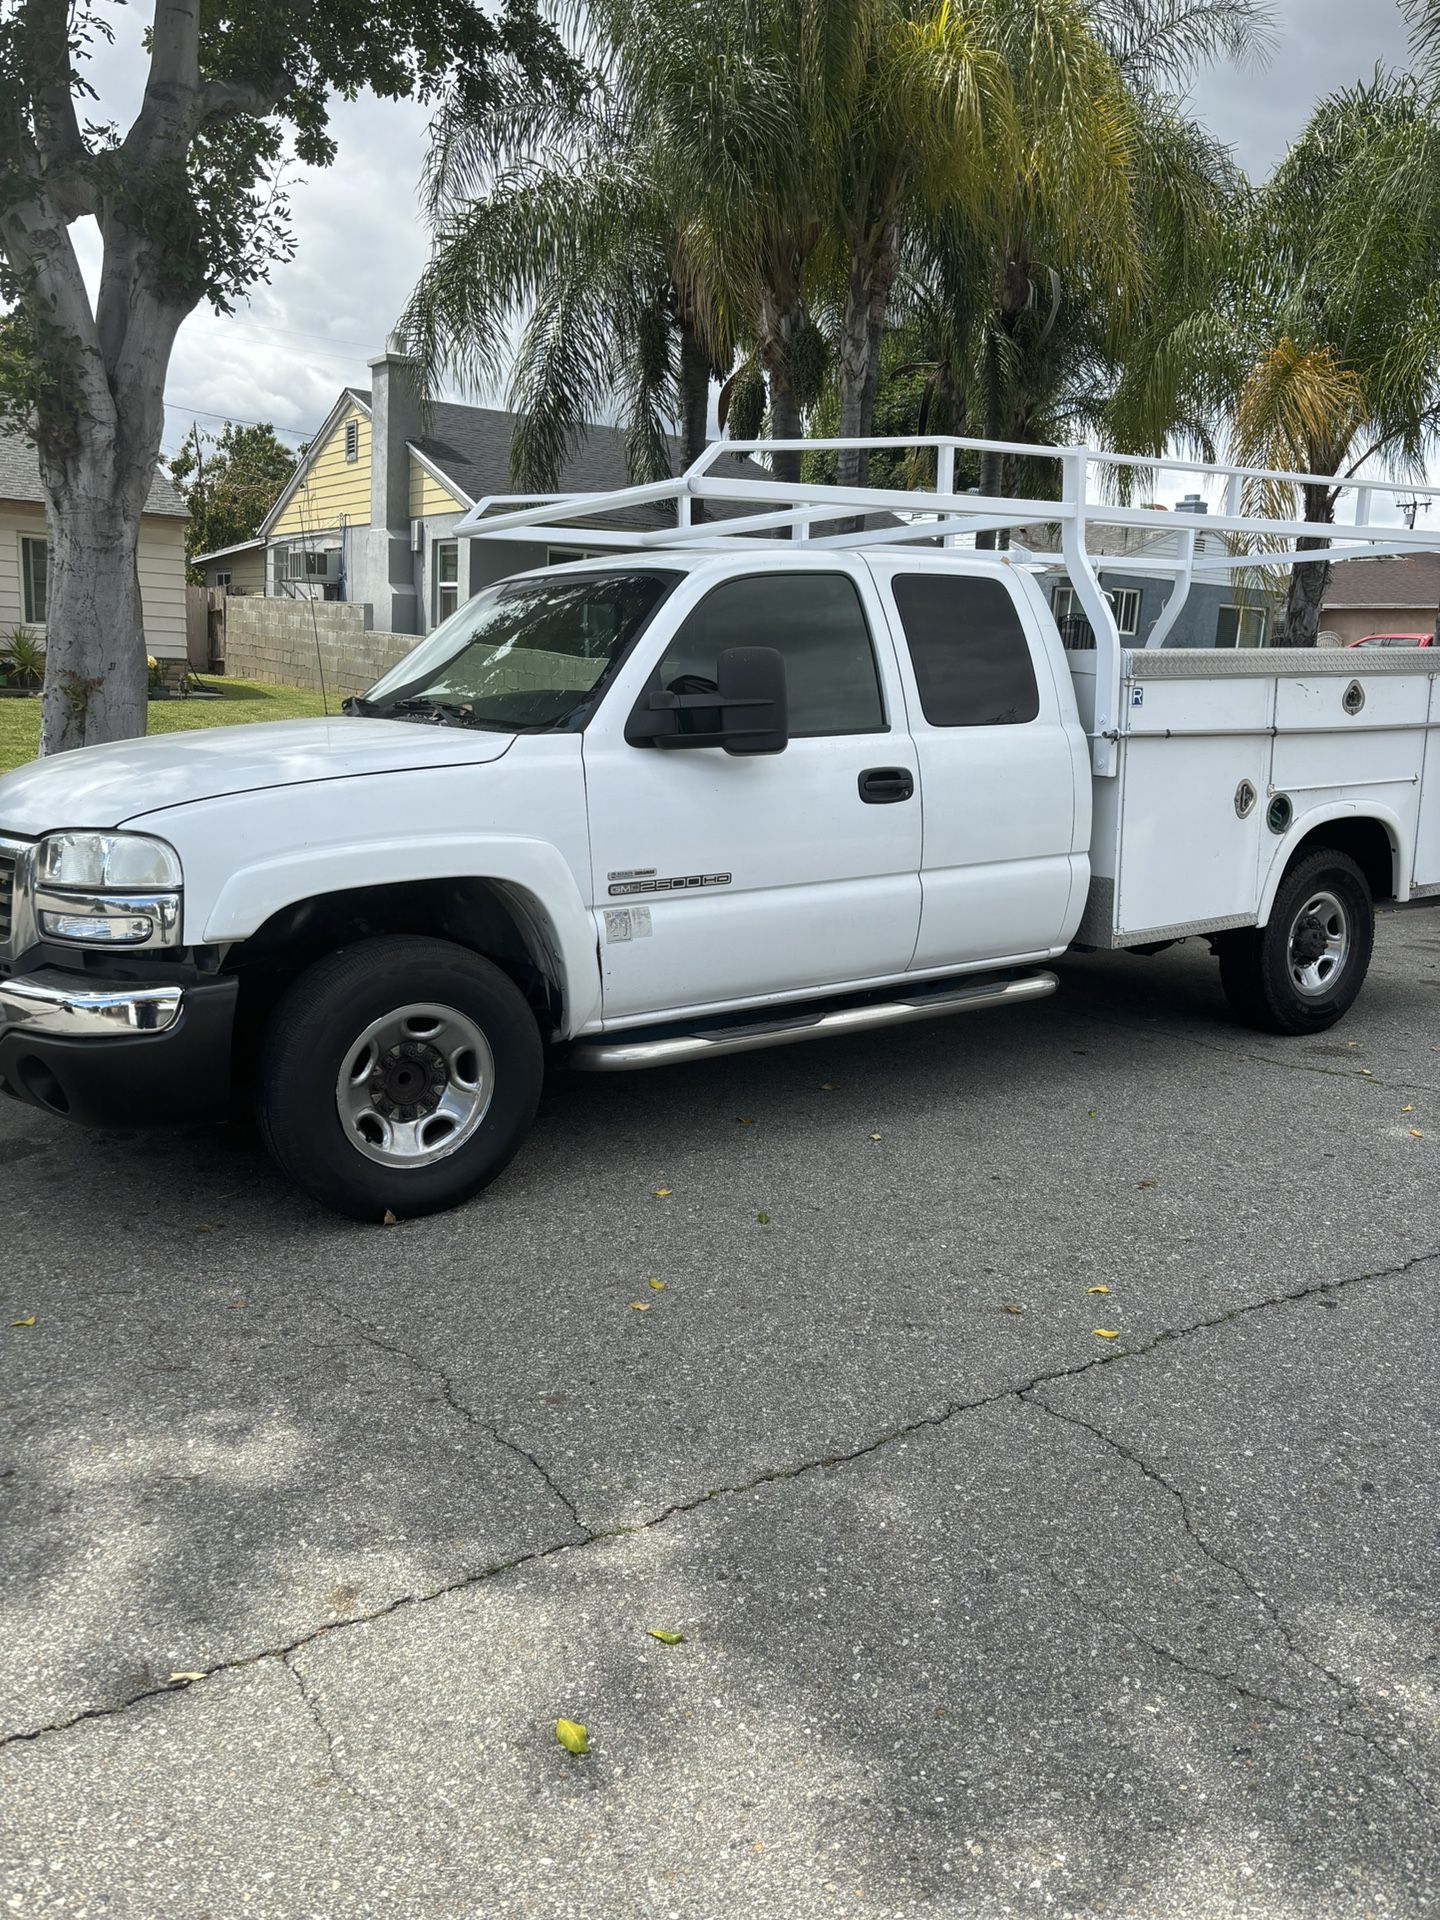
(485, 915)
(1368, 844)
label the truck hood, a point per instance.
(104, 786)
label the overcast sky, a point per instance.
(361, 241)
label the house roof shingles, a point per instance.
(20, 480)
(470, 446)
(1411, 580)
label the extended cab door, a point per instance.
(1002, 762)
(720, 879)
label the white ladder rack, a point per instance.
(1093, 485)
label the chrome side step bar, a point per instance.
(627, 1055)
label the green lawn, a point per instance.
(239, 700)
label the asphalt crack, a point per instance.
(490, 1427)
(1347, 1695)
(770, 1477)
(332, 1742)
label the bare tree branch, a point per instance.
(166, 119)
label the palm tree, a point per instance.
(1338, 313)
(571, 226)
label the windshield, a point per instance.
(523, 656)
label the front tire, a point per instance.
(1302, 971)
(398, 1076)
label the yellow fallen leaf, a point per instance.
(572, 1736)
(1107, 1333)
(1091, 1112)
(666, 1638)
(176, 1678)
(874, 1136)
(662, 1193)
(1415, 1134)
(24, 1323)
(763, 1218)
(389, 1219)
(1142, 1184)
(657, 1286)
(828, 1086)
(639, 1306)
(1407, 1109)
(1097, 1289)
(743, 1120)
(1010, 1306)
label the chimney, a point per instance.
(394, 420)
(1192, 503)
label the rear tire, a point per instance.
(1302, 971)
(398, 1076)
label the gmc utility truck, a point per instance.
(811, 764)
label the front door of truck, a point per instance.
(719, 878)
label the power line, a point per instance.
(233, 419)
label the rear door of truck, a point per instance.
(1004, 771)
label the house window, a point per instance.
(447, 578)
(1240, 627)
(562, 556)
(222, 579)
(1126, 602)
(35, 574)
(307, 563)
(352, 441)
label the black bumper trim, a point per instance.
(180, 1077)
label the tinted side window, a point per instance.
(815, 621)
(971, 659)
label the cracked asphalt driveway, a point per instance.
(312, 1531)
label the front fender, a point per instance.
(533, 870)
(1305, 824)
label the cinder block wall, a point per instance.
(278, 641)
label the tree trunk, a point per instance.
(850, 463)
(781, 314)
(992, 485)
(694, 404)
(1309, 583)
(867, 306)
(786, 423)
(95, 672)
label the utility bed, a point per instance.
(1220, 753)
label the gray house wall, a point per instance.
(1198, 621)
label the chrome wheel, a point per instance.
(415, 1086)
(1319, 944)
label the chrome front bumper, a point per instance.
(81, 1012)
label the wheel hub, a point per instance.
(1310, 941)
(415, 1085)
(409, 1081)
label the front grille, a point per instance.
(7, 896)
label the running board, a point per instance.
(626, 1055)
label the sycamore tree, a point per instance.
(230, 481)
(189, 208)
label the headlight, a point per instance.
(102, 861)
(107, 889)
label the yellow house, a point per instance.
(237, 569)
(370, 513)
(25, 562)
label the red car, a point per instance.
(1394, 640)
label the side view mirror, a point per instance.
(747, 711)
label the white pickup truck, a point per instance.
(709, 791)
